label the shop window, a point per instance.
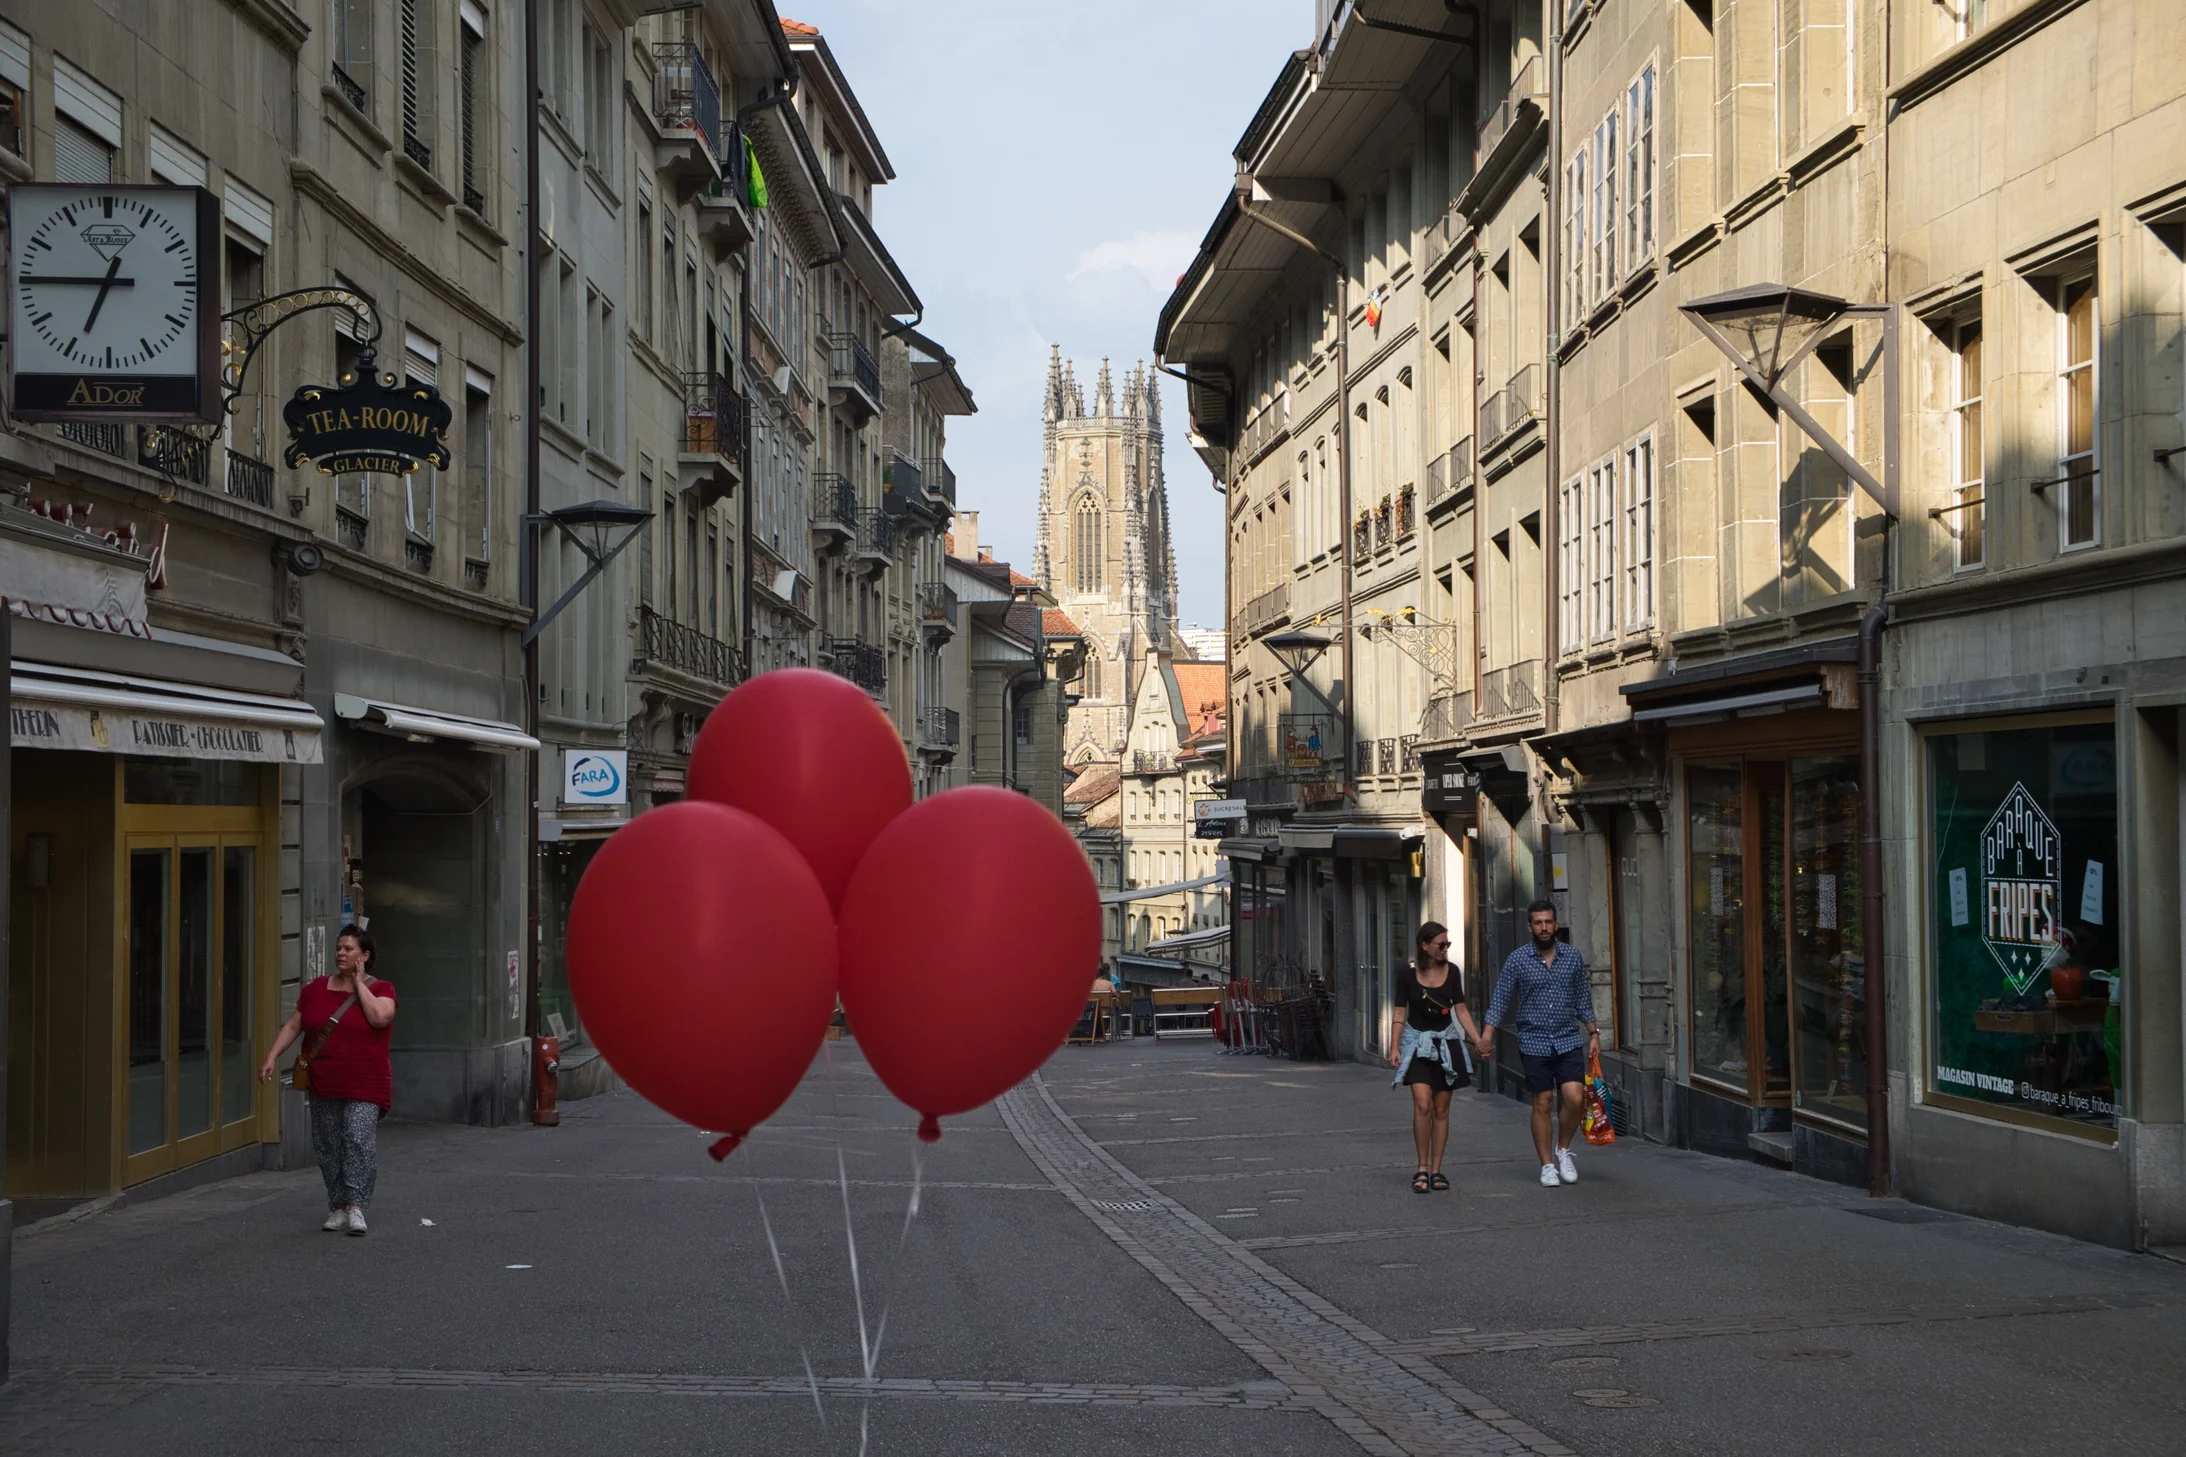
(2025, 972)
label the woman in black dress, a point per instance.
(1432, 1035)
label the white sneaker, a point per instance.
(336, 1222)
(1548, 1177)
(356, 1220)
(1565, 1168)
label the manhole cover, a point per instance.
(1624, 1400)
(1399, 1265)
(1806, 1353)
(1124, 1206)
(1599, 1393)
(1585, 1361)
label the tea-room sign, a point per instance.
(368, 423)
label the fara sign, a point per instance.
(596, 776)
(2022, 887)
(368, 423)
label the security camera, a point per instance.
(302, 558)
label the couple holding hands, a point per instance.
(1434, 1041)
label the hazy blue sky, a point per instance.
(1056, 165)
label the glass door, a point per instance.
(191, 949)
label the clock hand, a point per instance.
(88, 278)
(105, 284)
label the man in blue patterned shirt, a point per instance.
(1555, 1000)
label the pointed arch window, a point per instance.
(1087, 544)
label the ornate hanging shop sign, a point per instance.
(369, 422)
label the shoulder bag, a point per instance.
(299, 1076)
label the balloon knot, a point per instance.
(723, 1146)
(929, 1129)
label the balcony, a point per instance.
(905, 495)
(1448, 716)
(352, 529)
(711, 458)
(1266, 428)
(861, 662)
(477, 575)
(1382, 521)
(1443, 236)
(853, 377)
(249, 479)
(834, 511)
(938, 732)
(1511, 692)
(417, 556)
(1407, 512)
(1510, 409)
(667, 644)
(939, 481)
(1268, 609)
(937, 606)
(1408, 754)
(876, 540)
(106, 439)
(687, 109)
(1449, 476)
(176, 454)
(724, 212)
(1362, 536)
(1144, 762)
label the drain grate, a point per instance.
(1806, 1353)
(1124, 1206)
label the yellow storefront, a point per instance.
(146, 841)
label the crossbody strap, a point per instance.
(319, 1045)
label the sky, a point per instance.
(1056, 166)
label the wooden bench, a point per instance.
(1184, 1011)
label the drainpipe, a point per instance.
(1872, 939)
(527, 557)
(1551, 402)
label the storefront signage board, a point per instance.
(595, 776)
(162, 736)
(2023, 1015)
(368, 423)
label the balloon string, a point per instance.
(782, 1274)
(857, 1292)
(880, 1331)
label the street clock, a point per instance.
(114, 303)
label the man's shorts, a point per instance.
(1554, 1070)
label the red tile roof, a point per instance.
(1203, 686)
(1056, 623)
(1019, 579)
(798, 27)
(1094, 785)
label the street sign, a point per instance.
(368, 423)
(595, 776)
(1215, 818)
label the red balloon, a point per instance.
(702, 960)
(969, 936)
(811, 755)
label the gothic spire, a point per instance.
(1052, 408)
(1104, 397)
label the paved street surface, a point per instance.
(1149, 1248)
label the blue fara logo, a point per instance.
(594, 777)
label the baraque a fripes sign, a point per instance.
(90, 730)
(369, 422)
(2021, 887)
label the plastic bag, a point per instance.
(1596, 1125)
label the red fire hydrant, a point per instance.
(546, 1069)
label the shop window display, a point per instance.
(2023, 902)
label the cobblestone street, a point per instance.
(1149, 1247)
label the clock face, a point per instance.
(108, 307)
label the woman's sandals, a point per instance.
(1422, 1181)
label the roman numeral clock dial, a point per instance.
(112, 312)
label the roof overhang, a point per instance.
(933, 370)
(796, 191)
(869, 260)
(832, 88)
(750, 34)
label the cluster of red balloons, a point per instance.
(710, 939)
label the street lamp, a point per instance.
(1764, 330)
(588, 526)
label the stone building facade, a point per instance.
(1642, 581)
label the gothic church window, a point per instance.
(1087, 545)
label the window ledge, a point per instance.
(1974, 51)
(478, 230)
(351, 121)
(602, 185)
(1697, 241)
(566, 440)
(421, 182)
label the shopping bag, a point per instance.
(1596, 1126)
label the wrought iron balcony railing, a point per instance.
(106, 439)
(1382, 519)
(174, 453)
(684, 93)
(876, 533)
(352, 92)
(939, 480)
(834, 504)
(850, 363)
(1511, 692)
(937, 604)
(670, 644)
(903, 480)
(939, 727)
(1407, 512)
(1408, 754)
(713, 417)
(1144, 761)
(249, 479)
(861, 662)
(1448, 716)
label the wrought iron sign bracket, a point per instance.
(255, 322)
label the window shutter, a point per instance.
(79, 157)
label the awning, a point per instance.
(109, 713)
(1148, 892)
(1244, 847)
(1745, 705)
(1189, 939)
(424, 725)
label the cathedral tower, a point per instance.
(1104, 550)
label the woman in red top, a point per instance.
(346, 1018)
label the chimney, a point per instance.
(964, 537)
